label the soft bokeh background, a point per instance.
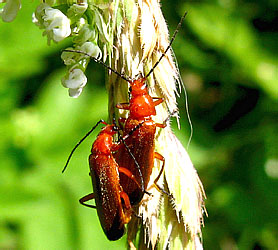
(227, 53)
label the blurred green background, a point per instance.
(227, 54)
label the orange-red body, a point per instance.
(140, 141)
(112, 203)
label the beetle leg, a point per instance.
(161, 158)
(127, 205)
(125, 198)
(87, 198)
(158, 100)
(126, 172)
(130, 175)
(164, 124)
(124, 106)
(161, 125)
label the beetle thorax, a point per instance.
(141, 107)
(103, 144)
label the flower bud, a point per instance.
(10, 9)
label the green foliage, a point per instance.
(229, 66)
(226, 51)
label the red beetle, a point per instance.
(141, 142)
(112, 203)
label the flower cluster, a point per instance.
(9, 11)
(77, 62)
(55, 23)
(88, 28)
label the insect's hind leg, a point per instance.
(160, 189)
(129, 174)
(86, 198)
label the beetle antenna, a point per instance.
(100, 62)
(77, 145)
(169, 46)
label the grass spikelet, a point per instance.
(167, 221)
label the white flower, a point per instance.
(10, 9)
(75, 80)
(91, 49)
(55, 23)
(77, 59)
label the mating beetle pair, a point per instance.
(117, 169)
(121, 171)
